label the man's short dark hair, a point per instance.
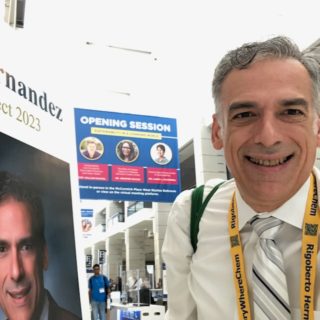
(162, 147)
(13, 187)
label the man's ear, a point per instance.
(216, 133)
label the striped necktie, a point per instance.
(270, 292)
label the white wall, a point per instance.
(186, 39)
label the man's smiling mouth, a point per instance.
(269, 162)
(18, 294)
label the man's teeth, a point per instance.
(268, 163)
(17, 296)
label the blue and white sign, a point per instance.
(127, 156)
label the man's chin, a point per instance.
(22, 313)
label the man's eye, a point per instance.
(27, 247)
(246, 114)
(293, 115)
(293, 112)
(3, 249)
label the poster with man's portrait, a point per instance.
(50, 180)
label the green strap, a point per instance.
(197, 209)
(196, 202)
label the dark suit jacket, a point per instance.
(95, 156)
(58, 313)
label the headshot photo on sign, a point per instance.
(91, 148)
(161, 153)
(127, 151)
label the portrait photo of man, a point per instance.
(34, 266)
(91, 148)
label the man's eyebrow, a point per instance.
(294, 102)
(285, 103)
(21, 241)
(3, 242)
(241, 105)
(27, 239)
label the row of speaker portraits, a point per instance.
(126, 150)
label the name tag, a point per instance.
(101, 290)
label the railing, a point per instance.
(138, 205)
(115, 218)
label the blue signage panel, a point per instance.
(125, 156)
(129, 315)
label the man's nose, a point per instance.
(16, 265)
(267, 131)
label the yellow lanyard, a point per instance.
(308, 257)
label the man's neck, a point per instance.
(263, 203)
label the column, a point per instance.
(135, 255)
(159, 228)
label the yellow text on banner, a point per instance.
(126, 133)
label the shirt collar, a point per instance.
(291, 212)
(45, 310)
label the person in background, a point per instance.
(119, 284)
(24, 254)
(99, 291)
(144, 291)
(257, 254)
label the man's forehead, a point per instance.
(278, 78)
(14, 212)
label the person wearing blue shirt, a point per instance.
(98, 293)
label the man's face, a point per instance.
(96, 270)
(160, 152)
(91, 147)
(269, 130)
(21, 263)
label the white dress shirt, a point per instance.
(200, 285)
